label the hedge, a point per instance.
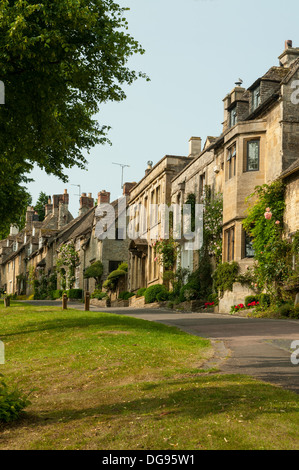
(151, 293)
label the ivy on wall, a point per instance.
(273, 253)
(67, 261)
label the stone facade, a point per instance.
(36, 247)
(153, 189)
(259, 144)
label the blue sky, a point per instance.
(195, 51)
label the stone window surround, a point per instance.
(230, 161)
(246, 141)
(229, 243)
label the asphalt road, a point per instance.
(257, 347)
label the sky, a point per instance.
(195, 52)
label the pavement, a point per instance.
(257, 347)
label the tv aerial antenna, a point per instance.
(122, 165)
(79, 187)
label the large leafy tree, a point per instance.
(59, 60)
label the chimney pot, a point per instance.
(288, 44)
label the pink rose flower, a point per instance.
(268, 215)
(268, 209)
(277, 222)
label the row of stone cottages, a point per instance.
(259, 144)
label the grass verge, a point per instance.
(105, 381)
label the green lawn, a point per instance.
(104, 381)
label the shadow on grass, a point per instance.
(201, 398)
(100, 320)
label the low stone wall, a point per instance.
(237, 296)
(98, 303)
(137, 302)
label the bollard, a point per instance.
(64, 302)
(87, 301)
(7, 302)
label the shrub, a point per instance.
(188, 292)
(264, 300)
(295, 313)
(286, 310)
(11, 402)
(75, 293)
(123, 267)
(250, 299)
(225, 276)
(125, 295)
(56, 294)
(98, 294)
(162, 296)
(141, 292)
(151, 293)
(116, 274)
(213, 298)
(95, 271)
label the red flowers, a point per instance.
(239, 307)
(209, 304)
(253, 304)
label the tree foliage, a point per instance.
(59, 60)
(95, 271)
(40, 205)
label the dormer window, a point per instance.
(15, 246)
(233, 117)
(40, 242)
(256, 98)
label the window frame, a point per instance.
(231, 161)
(230, 244)
(255, 103)
(248, 142)
(246, 237)
(233, 113)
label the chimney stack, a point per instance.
(127, 188)
(103, 197)
(63, 208)
(194, 146)
(29, 216)
(48, 207)
(86, 203)
(289, 55)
